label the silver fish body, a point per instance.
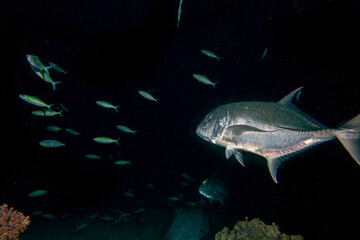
(274, 130)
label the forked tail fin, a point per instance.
(349, 136)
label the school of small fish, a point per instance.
(211, 188)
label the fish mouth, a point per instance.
(201, 132)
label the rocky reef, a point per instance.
(254, 230)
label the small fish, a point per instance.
(149, 185)
(107, 218)
(214, 189)
(34, 101)
(106, 105)
(48, 216)
(106, 140)
(179, 14)
(185, 184)
(57, 67)
(187, 177)
(46, 113)
(63, 107)
(210, 54)
(204, 79)
(129, 194)
(53, 128)
(264, 54)
(122, 162)
(72, 131)
(125, 129)
(93, 216)
(175, 198)
(51, 143)
(92, 156)
(124, 214)
(148, 96)
(48, 79)
(37, 193)
(139, 210)
(36, 64)
(81, 227)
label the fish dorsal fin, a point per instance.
(240, 129)
(288, 102)
(273, 164)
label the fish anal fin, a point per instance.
(273, 164)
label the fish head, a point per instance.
(204, 189)
(214, 189)
(213, 125)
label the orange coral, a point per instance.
(12, 223)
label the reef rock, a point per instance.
(254, 230)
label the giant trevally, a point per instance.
(274, 130)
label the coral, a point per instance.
(253, 230)
(12, 223)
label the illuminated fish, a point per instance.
(34, 101)
(37, 193)
(148, 96)
(106, 140)
(106, 105)
(51, 143)
(274, 130)
(210, 54)
(125, 129)
(204, 79)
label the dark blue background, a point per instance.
(112, 49)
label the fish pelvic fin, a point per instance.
(349, 136)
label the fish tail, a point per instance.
(215, 84)
(116, 141)
(116, 108)
(349, 136)
(54, 83)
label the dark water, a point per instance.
(112, 49)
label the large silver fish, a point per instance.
(274, 130)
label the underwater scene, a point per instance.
(180, 120)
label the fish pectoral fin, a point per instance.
(240, 129)
(238, 155)
(273, 164)
(229, 151)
